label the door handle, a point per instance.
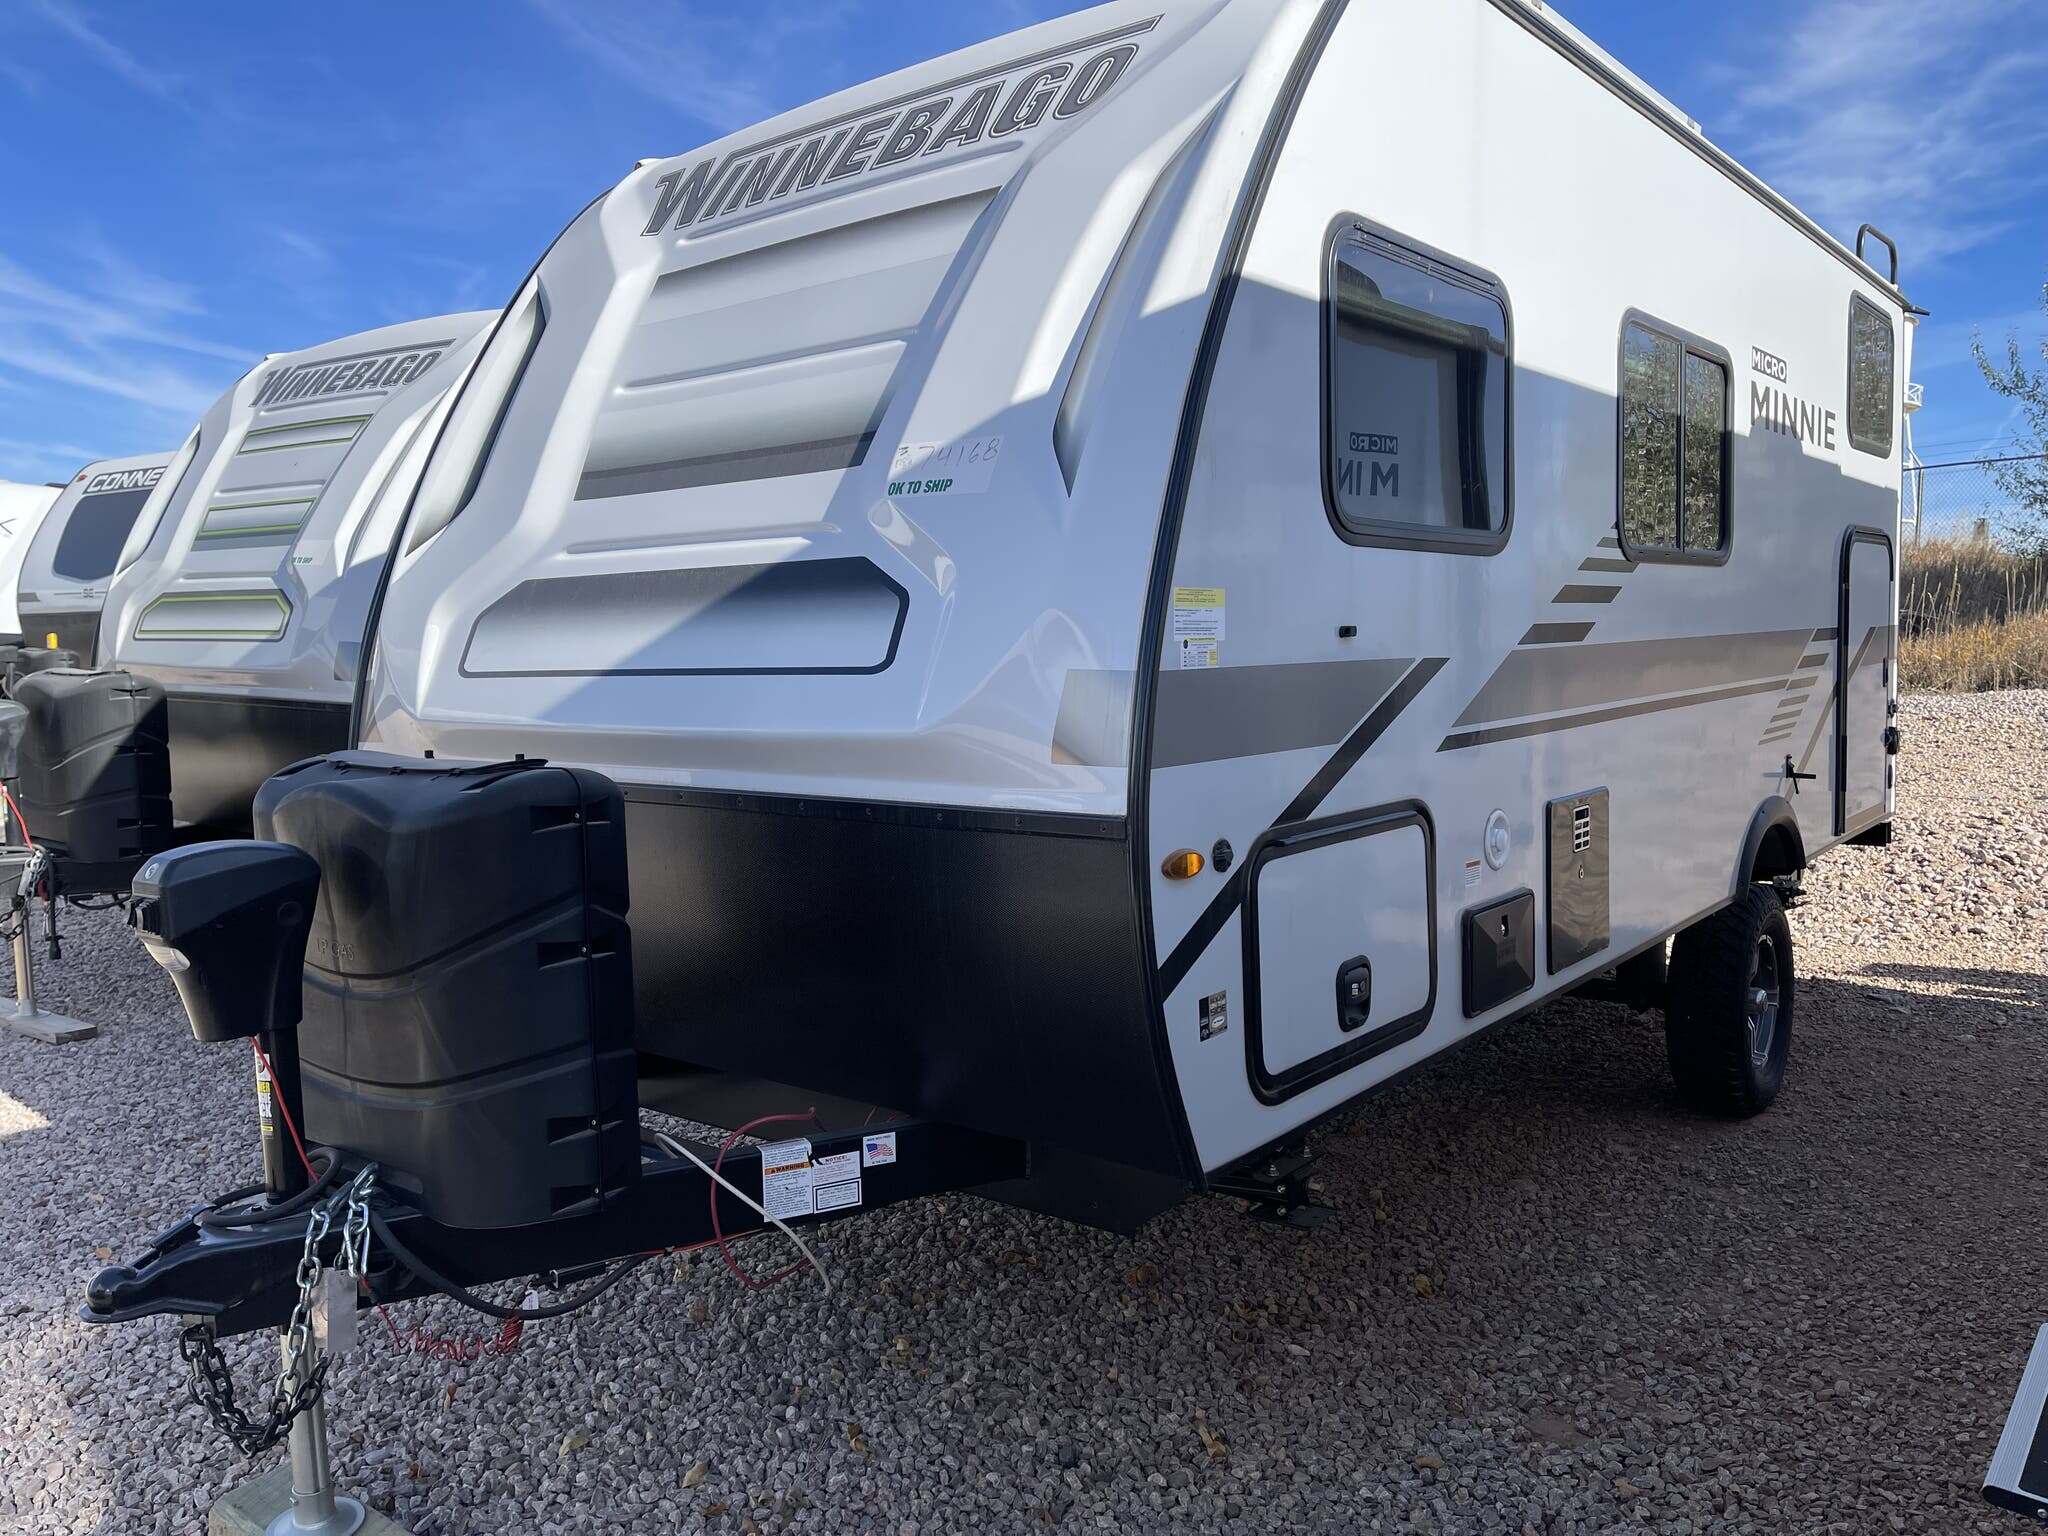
(1792, 772)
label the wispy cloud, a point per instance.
(1923, 119)
(21, 459)
(72, 22)
(112, 328)
(723, 71)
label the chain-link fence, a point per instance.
(1977, 500)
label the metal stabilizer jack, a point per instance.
(23, 869)
(1278, 1188)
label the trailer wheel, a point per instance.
(1728, 1020)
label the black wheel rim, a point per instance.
(1766, 997)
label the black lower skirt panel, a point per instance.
(978, 968)
(223, 748)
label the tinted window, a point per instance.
(1705, 453)
(1674, 446)
(1871, 371)
(94, 533)
(1649, 439)
(1418, 371)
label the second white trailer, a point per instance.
(60, 577)
(247, 595)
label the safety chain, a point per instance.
(297, 1388)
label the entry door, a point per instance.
(1865, 667)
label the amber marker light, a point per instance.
(1183, 865)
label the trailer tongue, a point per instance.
(432, 964)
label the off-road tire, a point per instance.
(1732, 986)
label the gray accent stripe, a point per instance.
(1781, 735)
(1611, 567)
(1828, 714)
(832, 453)
(1212, 714)
(1527, 728)
(1610, 543)
(1587, 594)
(1818, 659)
(1822, 634)
(1304, 805)
(1543, 682)
(1801, 682)
(1557, 634)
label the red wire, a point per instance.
(277, 1098)
(751, 1282)
(19, 819)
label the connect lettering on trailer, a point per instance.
(122, 480)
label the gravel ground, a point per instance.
(1554, 1301)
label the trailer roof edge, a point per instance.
(1541, 22)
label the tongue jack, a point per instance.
(229, 922)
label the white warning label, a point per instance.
(838, 1197)
(1197, 626)
(788, 1182)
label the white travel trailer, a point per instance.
(1145, 578)
(246, 595)
(60, 575)
(23, 509)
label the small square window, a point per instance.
(1417, 404)
(1674, 447)
(1872, 368)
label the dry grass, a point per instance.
(1973, 617)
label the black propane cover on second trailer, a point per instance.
(469, 980)
(27, 660)
(95, 764)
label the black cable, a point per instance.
(219, 1217)
(439, 1282)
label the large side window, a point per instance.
(1872, 368)
(1674, 470)
(94, 533)
(1416, 398)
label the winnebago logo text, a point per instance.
(123, 480)
(992, 104)
(375, 372)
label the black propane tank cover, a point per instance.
(28, 660)
(13, 726)
(95, 764)
(469, 979)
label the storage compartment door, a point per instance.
(1340, 946)
(1865, 669)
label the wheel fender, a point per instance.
(1773, 846)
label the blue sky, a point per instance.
(186, 187)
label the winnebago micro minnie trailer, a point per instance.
(61, 583)
(23, 510)
(247, 597)
(1110, 593)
